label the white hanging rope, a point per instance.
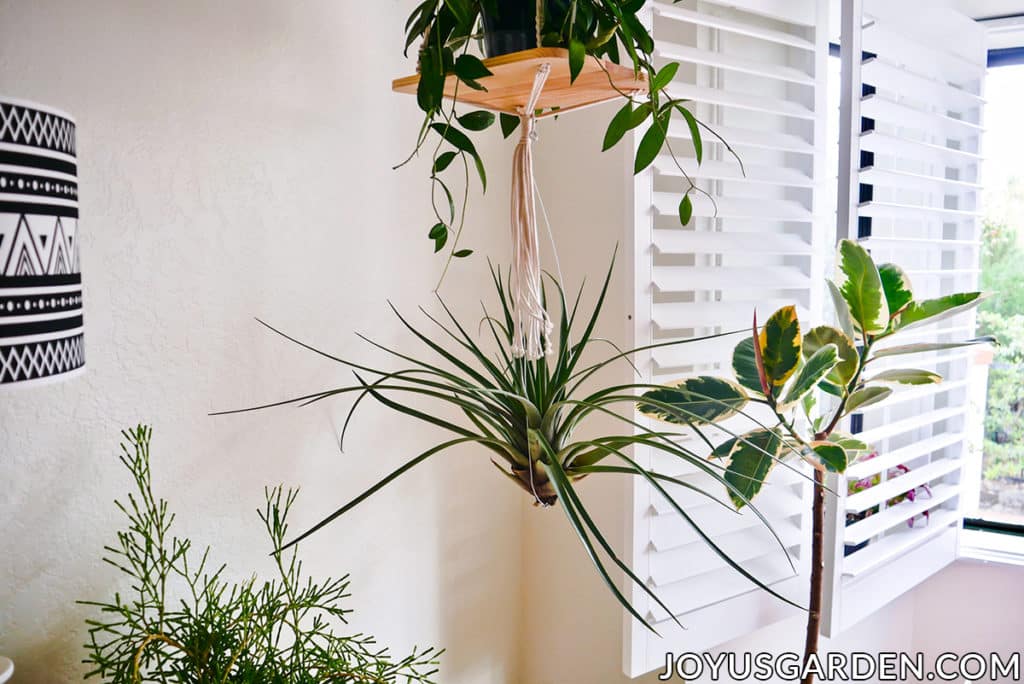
(532, 325)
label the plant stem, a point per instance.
(817, 572)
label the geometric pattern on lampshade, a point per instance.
(41, 323)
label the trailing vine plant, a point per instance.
(788, 372)
(524, 416)
(589, 29)
(182, 622)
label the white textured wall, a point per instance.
(235, 160)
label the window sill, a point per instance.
(991, 547)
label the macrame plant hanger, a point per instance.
(598, 81)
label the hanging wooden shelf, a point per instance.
(509, 87)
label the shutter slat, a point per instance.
(679, 279)
(884, 143)
(896, 544)
(669, 532)
(899, 514)
(908, 424)
(924, 447)
(722, 60)
(667, 204)
(675, 241)
(916, 181)
(904, 395)
(745, 137)
(729, 170)
(739, 100)
(878, 107)
(876, 70)
(728, 315)
(743, 28)
(872, 496)
(911, 211)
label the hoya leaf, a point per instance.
(862, 288)
(664, 76)
(470, 68)
(908, 376)
(685, 209)
(443, 161)
(476, 121)
(694, 401)
(849, 359)
(694, 126)
(509, 124)
(651, 143)
(462, 253)
(811, 373)
(897, 288)
(577, 54)
(866, 396)
(618, 126)
(932, 310)
(780, 343)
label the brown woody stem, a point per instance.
(817, 572)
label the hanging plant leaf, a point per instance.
(439, 234)
(694, 401)
(750, 461)
(476, 121)
(849, 359)
(462, 253)
(907, 376)
(577, 54)
(618, 126)
(459, 140)
(896, 286)
(469, 68)
(866, 396)
(685, 209)
(652, 142)
(933, 310)
(780, 343)
(695, 136)
(862, 289)
(664, 76)
(509, 124)
(443, 161)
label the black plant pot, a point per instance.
(512, 26)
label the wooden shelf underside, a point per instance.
(509, 87)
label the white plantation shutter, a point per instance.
(916, 150)
(755, 71)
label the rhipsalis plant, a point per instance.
(524, 417)
(181, 622)
(790, 371)
(589, 29)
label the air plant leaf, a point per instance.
(866, 396)
(933, 310)
(930, 347)
(694, 401)
(831, 455)
(897, 288)
(749, 465)
(907, 376)
(849, 359)
(811, 373)
(861, 287)
(780, 343)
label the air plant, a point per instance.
(788, 372)
(525, 416)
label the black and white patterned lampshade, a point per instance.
(40, 275)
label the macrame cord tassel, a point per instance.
(531, 335)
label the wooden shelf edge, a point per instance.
(513, 74)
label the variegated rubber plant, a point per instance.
(812, 380)
(525, 417)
